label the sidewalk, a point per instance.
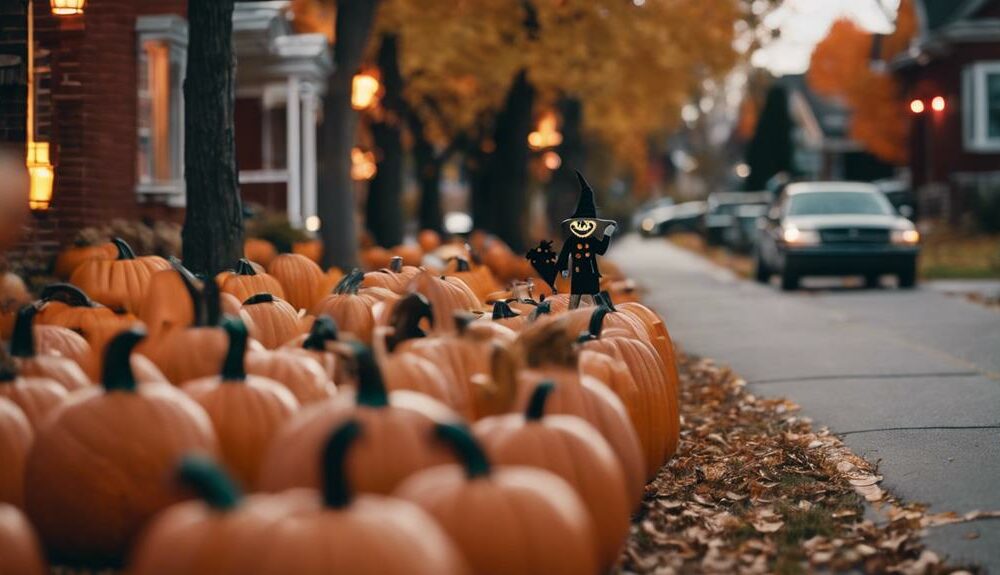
(911, 379)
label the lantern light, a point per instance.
(40, 174)
(551, 160)
(938, 104)
(364, 91)
(917, 106)
(67, 7)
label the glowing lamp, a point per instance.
(364, 91)
(938, 104)
(67, 7)
(40, 175)
(917, 106)
(551, 160)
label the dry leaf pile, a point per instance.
(754, 489)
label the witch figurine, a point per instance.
(585, 237)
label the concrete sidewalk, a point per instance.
(910, 379)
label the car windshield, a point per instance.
(817, 203)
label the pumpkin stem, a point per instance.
(461, 264)
(68, 294)
(188, 279)
(22, 341)
(604, 298)
(350, 283)
(544, 308)
(8, 370)
(232, 366)
(213, 304)
(596, 325)
(406, 317)
(124, 250)
(244, 268)
(470, 453)
(463, 320)
(210, 482)
(118, 374)
(259, 298)
(371, 387)
(323, 329)
(501, 310)
(539, 397)
(396, 264)
(336, 491)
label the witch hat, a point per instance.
(585, 207)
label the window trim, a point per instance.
(975, 105)
(172, 30)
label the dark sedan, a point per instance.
(835, 229)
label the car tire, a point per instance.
(789, 281)
(873, 281)
(761, 273)
(908, 278)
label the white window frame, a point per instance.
(173, 31)
(975, 107)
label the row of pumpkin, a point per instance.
(390, 421)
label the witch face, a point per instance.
(582, 227)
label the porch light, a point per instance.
(547, 134)
(41, 176)
(551, 160)
(364, 91)
(67, 7)
(917, 106)
(938, 104)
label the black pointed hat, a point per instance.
(585, 206)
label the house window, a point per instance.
(981, 106)
(162, 54)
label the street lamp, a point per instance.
(67, 7)
(938, 104)
(364, 90)
(547, 135)
(917, 106)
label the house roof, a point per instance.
(936, 14)
(823, 120)
(945, 22)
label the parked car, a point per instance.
(742, 235)
(901, 196)
(835, 228)
(683, 217)
(643, 211)
(722, 209)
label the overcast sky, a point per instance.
(803, 23)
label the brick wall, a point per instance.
(13, 78)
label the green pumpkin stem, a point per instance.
(118, 374)
(539, 397)
(406, 316)
(350, 283)
(463, 320)
(336, 490)
(323, 329)
(68, 294)
(544, 308)
(468, 450)
(22, 341)
(259, 298)
(232, 366)
(596, 325)
(461, 264)
(124, 250)
(213, 486)
(191, 286)
(396, 264)
(501, 310)
(244, 268)
(604, 298)
(371, 387)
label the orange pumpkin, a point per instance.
(350, 309)
(447, 296)
(429, 240)
(20, 552)
(573, 450)
(89, 514)
(36, 396)
(168, 302)
(500, 516)
(260, 251)
(413, 372)
(316, 345)
(71, 258)
(376, 257)
(397, 440)
(302, 375)
(246, 410)
(245, 281)
(395, 277)
(479, 279)
(505, 316)
(300, 278)
(312, 249)
(15, 440)
(29, 363)
(411, 254)
(120, 283)
(271, 320)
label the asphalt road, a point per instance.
(909, 378)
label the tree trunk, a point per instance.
(428, 164)
(564, 189)
(384, 215)
(478, 169)
(337, 205)
(508, 165)
(213, 224)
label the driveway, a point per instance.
(910, 379)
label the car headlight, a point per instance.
(794, 236)
(905, 237)
(648, 224)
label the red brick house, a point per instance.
(951, 82)
(108, 99)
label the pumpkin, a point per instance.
(505, 316)
(15, 439)
(340, 532)
(71, 258)
(479, 279)
(505, 519)
(303, 376)
(13, 295)
(246, 411)
(350, 309)
(376, 257)
(20, 553)
(120, 283)
(397, 440)
(410, 371)
(29, 363)
(312, 249)
(429, 240)
(446, 295)
(95, 472)
(300, 278)
(395, 277)
(659, 424)
(659, 336)
(259, 250)
(36, 396)
(271, 320)
(411, 254)
(168, 302)
(573, 450)
(315, 344)
(245, 281)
